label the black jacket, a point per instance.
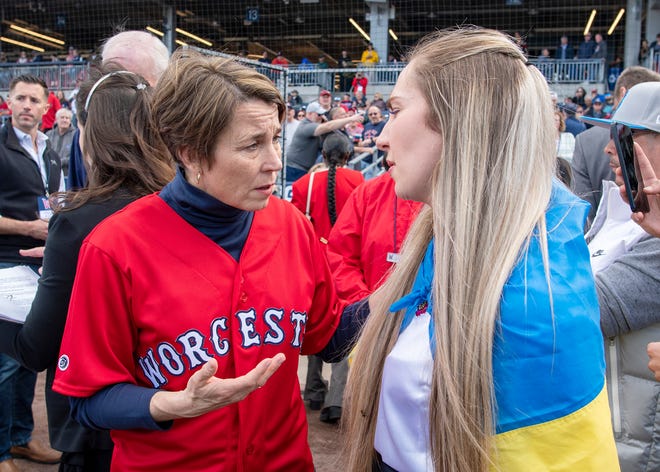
(21, 185)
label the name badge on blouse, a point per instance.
(393, 257)
(45, 212)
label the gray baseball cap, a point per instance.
(639, 109)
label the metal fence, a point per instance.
(571, 71)
(653, 61)
(339, 79)
(58, 75)
(64, 75)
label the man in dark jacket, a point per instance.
(564, 51)
(585, 51)
(30, 171)
(586, 48)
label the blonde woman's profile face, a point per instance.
(413, 149)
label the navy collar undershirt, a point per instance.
(225, 225)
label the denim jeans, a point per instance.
(16, 395)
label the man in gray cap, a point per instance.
(626, 263)
(590, 163)
(306, 142)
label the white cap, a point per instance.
(315, 107)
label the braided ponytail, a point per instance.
(336, 150)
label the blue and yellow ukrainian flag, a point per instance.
(548, 365)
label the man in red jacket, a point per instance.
(48, 120)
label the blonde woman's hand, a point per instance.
(205, 392)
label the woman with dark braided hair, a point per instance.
(336, 155)
(321, 195)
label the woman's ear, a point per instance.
(184, 155)
(191, 167)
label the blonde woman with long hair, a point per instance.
(483, 349)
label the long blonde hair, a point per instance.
(490, 188)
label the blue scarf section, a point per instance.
(420, 299)
(225, 225)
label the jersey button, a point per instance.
(249, 449)
(243, 297)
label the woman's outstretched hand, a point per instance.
(205, 392)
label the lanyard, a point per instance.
(394, 228)
(43, 165)
(45, 171)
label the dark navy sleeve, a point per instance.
(77, 173)
(120, 406)
(346, 335)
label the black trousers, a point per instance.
(91, 460)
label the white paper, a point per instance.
(18, 285)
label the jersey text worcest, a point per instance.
(166, 356)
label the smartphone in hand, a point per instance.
(632, 178)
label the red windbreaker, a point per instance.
(367, 237)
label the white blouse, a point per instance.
(402, 427)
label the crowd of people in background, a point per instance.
(589, 47)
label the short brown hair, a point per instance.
(632, 76)
(196, 98)
(28, 79)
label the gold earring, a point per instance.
(199, 175)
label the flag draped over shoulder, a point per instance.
(552, 411)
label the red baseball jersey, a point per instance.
(367, 237)
(154, 299)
